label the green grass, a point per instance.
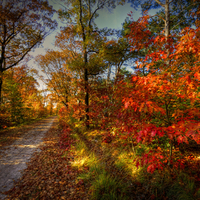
(106, 187)
(166, 183)
(184, 188)
(102, 184)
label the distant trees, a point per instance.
(22, 99)
(81, 40)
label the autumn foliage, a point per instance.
(163, 104)
(21, 99)
(152, 114)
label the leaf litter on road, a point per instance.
(49, 174)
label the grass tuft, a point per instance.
(105, 187)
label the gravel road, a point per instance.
(13, 158)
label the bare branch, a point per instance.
(177, 24)
(158, 16)
(185, 8)
(27, 51)
(163, 5)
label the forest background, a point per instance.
(152, 112)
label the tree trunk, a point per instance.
(167, 28)
(86, 63)
(86, 97)
(1, 82)
(167, 25)
(108, 76)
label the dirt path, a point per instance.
(13, 158)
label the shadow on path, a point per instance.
(14, 157)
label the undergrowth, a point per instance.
(111, 171)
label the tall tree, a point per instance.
(23, 26)
(82, 14)
(59, 78)
(176, 54)
(171, 17)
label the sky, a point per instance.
(113, 19)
